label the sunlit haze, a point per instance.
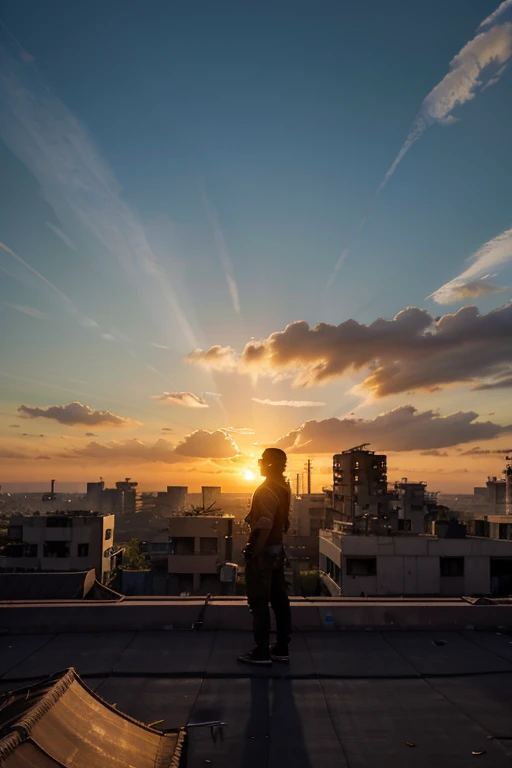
(233, 225)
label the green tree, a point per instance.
(133, 558)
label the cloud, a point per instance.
(459, 85)
(477, 451)
(77, 182)
(413, 351)
(167, 429)
(68, 304)
(239, 430)
(186, 399)
(401, 429)
(222, 248)
(490, 256)
(60, 234)
(435, 452)
(504, 383)
(29, 434)
(208, 445)
(455, 291)
(91, 434)
(30, 311)
(505, 5)
(125, 450)
(5, 453)
(159, 346)
(215, 358)
(290, 403)
(73, 414)
(14, 426)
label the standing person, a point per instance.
(265, 558)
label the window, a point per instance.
(356, 478)
(159, 547)
(59, 522)
(15, 532)
(451, 566)
(108, 534)
(30, 550)
(404, 525)
(208, 546)
(356, 465)
(56, 549)
(361, 566)
(83, 550)
(182, 545)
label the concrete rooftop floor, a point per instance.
(347, 698)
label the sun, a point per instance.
(248, 475)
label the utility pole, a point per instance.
(309, 476)
(297, 485)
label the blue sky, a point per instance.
(190, 175)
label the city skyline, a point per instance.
(236, 227)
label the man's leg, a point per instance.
(281, 606)
(258, 578)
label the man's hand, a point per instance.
(259, 539)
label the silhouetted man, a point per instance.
(265, 558)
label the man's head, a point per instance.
(272, 462)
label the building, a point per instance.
(307, 514)
(360, 484)
(193, 551)
(172, 501)
(211, 496)
(119, 501)
(415, 565)
(61, 541)
(414, 506)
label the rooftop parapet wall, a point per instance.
(329, 614)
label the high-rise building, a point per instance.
(360, 483)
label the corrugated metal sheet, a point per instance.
(63, 723)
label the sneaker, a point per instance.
(279, 653)
(256, 657)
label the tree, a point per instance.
(133, 558)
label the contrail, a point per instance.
(222, 248)
(459, 85)
(71, 307)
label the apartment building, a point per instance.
(415, 565)
(61, 541)
(360, 483)
(194, 549)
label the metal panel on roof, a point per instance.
(67, 723)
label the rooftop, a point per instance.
(428, 691)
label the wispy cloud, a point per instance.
(186, 399)
(159, 346)
(73, 414)
(505, 5)
(459, 85)
(65, 239)
(492, 47)
(289, 403)
(75, 179)
(62, 296)
(30, 311)
(239, 430)
(492, 255)
(222, 248)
